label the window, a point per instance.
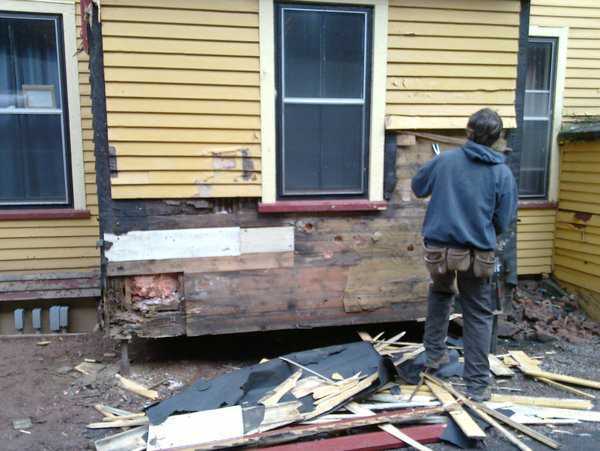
(323, 84)
(538, 118)
(34, 143)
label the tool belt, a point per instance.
(441, 260)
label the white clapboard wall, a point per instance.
(197, 243)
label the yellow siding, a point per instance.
(183, 99)
(65, 244)
(535, 239)
(582, 84)
(448, 58)
(182, 80)
(577, 244)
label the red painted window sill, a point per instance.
(49, 213)
(537, 204)
(289, 206)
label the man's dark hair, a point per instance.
(484, 127)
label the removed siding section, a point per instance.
(582, 84)
(449, 58)
(182, 87)
(535, 241)
(58, 245)
(577, 244)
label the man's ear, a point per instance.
(469, 133)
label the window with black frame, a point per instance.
(33, 118)
(323, 57)
(537, 123)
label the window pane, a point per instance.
(537, 104)
(341, 134)
(343, 61)
(28, 64)
(534, 158)
(323, 54)
(539, 59)
(31, 152)
(323, 149)
(302, 54)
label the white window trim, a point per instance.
(378, 93)
(562, 35)
(65, 8)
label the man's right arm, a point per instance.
(506, 202)
(422, 182)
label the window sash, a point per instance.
(283, 101)
(535, 177)
(60, 110)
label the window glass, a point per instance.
(32, 127)
(323, 53)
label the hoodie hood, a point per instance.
(481, 153)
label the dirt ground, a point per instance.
(38, 382)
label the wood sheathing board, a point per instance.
(58, 245)
(582, 84)
(577, 240)
(448, 58)
(183, 101)
(535, 241)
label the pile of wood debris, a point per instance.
(332, 398)
(543, 311)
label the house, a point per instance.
(245, 164)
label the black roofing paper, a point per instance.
(247, 385)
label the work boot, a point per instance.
(479, 394)
(435, 365)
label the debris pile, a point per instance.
(345, 397)
(542, 310)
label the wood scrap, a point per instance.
(274, 416)
(409, 356)
(118, 423)
(306, 386)
(337, 377)
(109, 411)
(481, 411)
(287, 434)
(337, 400)
(458, 414)
(136, 388)
(564, 387)
(271, 398)
(552, 412)
(308, 370)
(499, 368)
(389, 428)
(580, 404)
(131, 440)
(125, 417)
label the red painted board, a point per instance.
(369, 441)
(322, 205)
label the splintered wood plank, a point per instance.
(278, 392)
(544, 402)
(462, 418)
(499, 368)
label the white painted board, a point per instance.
(196, 428)
(167, 244)
(267, 239)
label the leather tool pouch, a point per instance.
(458, 259)
(484, 263)
(435, 260)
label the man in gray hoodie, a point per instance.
(473, 199)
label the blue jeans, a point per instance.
(475, 297)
